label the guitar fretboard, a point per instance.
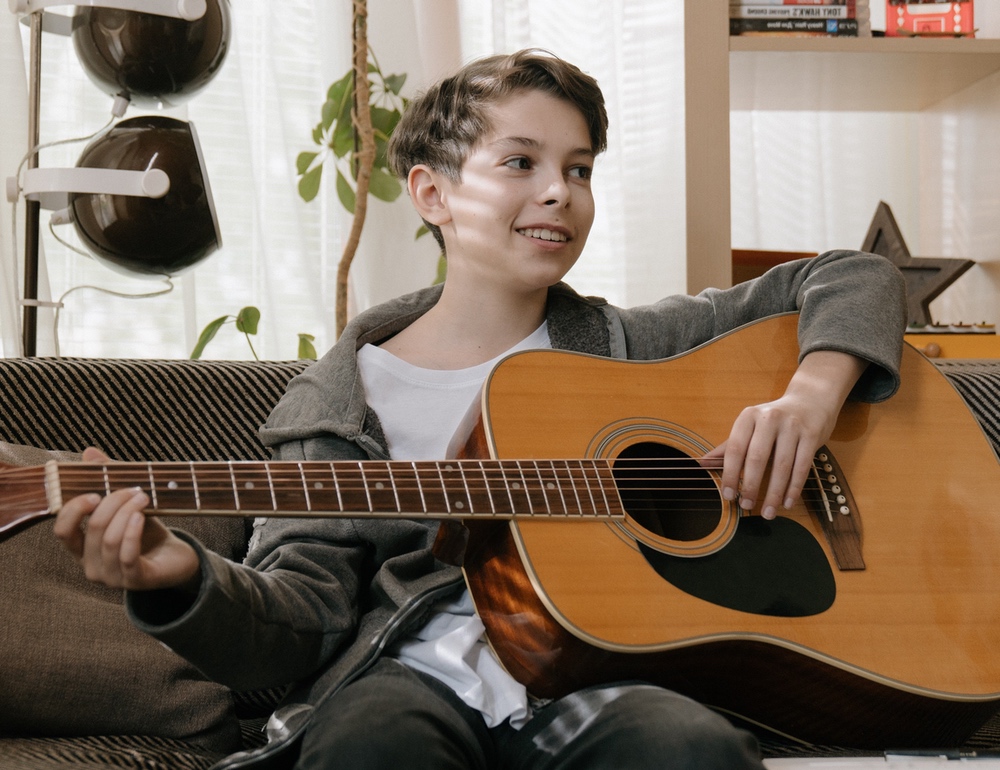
(462, 489)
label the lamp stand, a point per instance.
(32, 211)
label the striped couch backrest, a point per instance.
(137, 409)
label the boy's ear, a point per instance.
(425, 186)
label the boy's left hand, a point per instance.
(785, 434)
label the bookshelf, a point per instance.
(724, 73)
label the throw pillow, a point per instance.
(73, 665)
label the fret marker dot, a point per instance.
(379, 485)
(171, 485)
(459, 504)
(550, 485)
(516, 485)
(248, 485)
(318, 485)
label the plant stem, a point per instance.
(361, 116)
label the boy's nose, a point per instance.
(557, 193)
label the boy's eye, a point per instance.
(581, 172)
(520, 163)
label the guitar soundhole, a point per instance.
(666, 492)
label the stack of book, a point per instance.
(801, 18)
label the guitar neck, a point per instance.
(463, 489)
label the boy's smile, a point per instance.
(521, 214)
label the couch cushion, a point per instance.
(74, 665)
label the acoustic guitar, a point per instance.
(868, 615)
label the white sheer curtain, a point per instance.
(800, 181)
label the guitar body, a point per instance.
(752, 617)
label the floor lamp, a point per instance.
(116, 41)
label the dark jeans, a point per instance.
(396, 719)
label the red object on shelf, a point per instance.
(930, 19)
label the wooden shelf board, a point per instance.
(861, 74)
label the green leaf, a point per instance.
(317, 134)
(306, 347)
(304, 160)
(207, 335)
(381, 152)
(309, 184)
(329, 113)
(338, 90)
(421, 232)
(442, 270)
(395, 83)
(345, 192)
(247, 320)
(342, 140)
(385, 120)
(384, 186)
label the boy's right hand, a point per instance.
(119, 546)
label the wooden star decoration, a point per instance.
(925, 278)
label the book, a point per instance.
(933, 19)
(829, 27)
(792, 12)
(795, 2)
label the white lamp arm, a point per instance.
(51, 186)
(189, 10)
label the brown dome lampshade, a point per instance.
(139, 197)
(152, 60)
(142, 234)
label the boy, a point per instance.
(392, 665)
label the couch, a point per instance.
(79, 687)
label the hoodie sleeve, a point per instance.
(847, 301)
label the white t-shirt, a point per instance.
(429, 414)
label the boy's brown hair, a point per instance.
(442, 125)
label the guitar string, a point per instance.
(209, 481)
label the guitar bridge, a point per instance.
(834, 506)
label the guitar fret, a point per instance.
(394, 487)
(232, 479)
(576, 470)
(364, 484)
(305, 487)
(527, 494)
(573, 487)
(152, 485)
(489, 492)
(590, 490)
(541, 485)
(606, 504)
(420, 488)
(558, 485)
(444, 489)
(336, 486)
(270, 485)
(468, 494)
(507, 488)
(194, 487)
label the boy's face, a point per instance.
(521, 213)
